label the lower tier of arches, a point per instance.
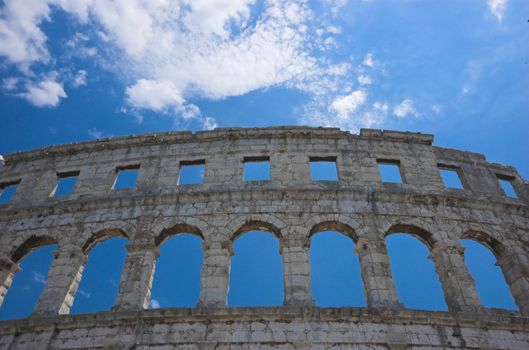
(294, 259)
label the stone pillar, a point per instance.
(515, 266)
(8, 268)
(296, 272)
(34, 187)
(215, 274)
(458, 285)
(136, 277)
(376, 273)
(289, 168)
(63, 279)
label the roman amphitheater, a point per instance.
(290, 205)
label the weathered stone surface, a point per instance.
(291, 206)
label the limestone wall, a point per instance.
(290, 205)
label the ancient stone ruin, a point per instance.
(290, 205)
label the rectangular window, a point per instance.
(506, 185)
(256, 168)
(389, 171)
(450, 177)
(192, 172)
(65, 184)
(323, 169)
(126, 177)
(7, 191)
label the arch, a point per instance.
(97, 280)
(336, 279)
(22, 284)
(416, 280)
(176, 279)
(179, 224)
(256, 272)
(176, 229)
(495, 246)
(256, 225)
(30, 244)
(421, 234)
(101, 236)
(354, 223)
(491, 285)
(244, 223)
(335, 226)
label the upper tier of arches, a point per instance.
(160, 164)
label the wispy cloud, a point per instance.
(97, 134)
(437, 109)
(368, 60)
(497, 8)
(172, 50)
(84, 294)
(154, 304)
(405, 108)
(39, 278)
(171, 53)
(79, 78)
(364, 80)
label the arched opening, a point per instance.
(177, 273)
(335, 271)
(256, 275)
(490, 281)
(417, 283)
(34, 257)
(99, 284)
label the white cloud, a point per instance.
(497, 8)
(335, 5)
(350, 112)
(21, 40)
(39, 278)
(368, 60)
(84, 294)
(95, 133)
(154, 304)
(197, 46)
(153, 94)
(80, 78)
(47, 93)
(176, 50)
(345, 106)
(437, 109)
(365, 80)
(163, 97)
(208, 123)
(405, 108)
(214, 17)
(10, 83)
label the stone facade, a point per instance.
(291, 206)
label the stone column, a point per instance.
(136, 277)
(296, 271)
(63, 279)
(515, 266)
(8, 268)
(458, 285)
(215, 274)
(376, 273)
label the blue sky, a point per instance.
(73, 70)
